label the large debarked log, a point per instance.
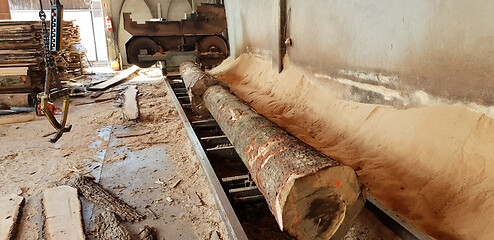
(311, 195)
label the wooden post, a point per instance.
(311, 195)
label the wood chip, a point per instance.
(195, 199)
(176, 183)
(147, 233)
(133, 134)
(109, 228)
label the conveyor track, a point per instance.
(241, 205)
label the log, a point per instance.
(104, 198)
(130, 106)
(62, 209)
(196, 82)
(15, 100)
(109, 228)
(10, 213)
(311, 195)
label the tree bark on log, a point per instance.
(107, 200)
(109, 228)
(197, 82)
(311, 195)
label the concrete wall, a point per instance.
(253, 27)
(444, 49)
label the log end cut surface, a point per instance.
(62, 214)
(10, 207)
(321, 205)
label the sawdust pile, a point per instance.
(432, 165)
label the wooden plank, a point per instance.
(120, 77)
(130, 106)
(9, 120)
(133, 134)
(15, 99)
(10, 211)
(14, 71)
(62, 210)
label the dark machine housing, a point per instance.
(199, 36)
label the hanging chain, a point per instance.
(49, 60)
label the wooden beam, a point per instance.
(62, 210)
(120, 77)
(131, 106)
(9, 120)
(15, 99)
(13, 71)
(311, 195)
(10, 212)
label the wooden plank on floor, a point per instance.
(10, 209)
(62, 209)
(120, 77)
(15, 119)
(15, 99)
(133, 134)
(130, 106)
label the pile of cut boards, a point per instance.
(63, 213)
(21, 55)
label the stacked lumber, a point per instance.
(68, 60)
(21, 46)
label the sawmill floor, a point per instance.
(156, 172)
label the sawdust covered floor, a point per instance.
(156, 172)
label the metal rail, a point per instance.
(233, 226)
(208, 140)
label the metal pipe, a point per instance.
(194, 6)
